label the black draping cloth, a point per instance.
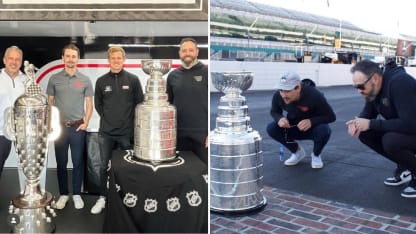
(131, 186)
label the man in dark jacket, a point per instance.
(187, 89)
(308, 116)
(392, 95)
(116, 95)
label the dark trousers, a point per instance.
(5, 146)
(76, 141)
(193, 141)
(319, 134)
(107, 144)
(397, 147)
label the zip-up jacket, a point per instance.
(10, 90)
(115, 99)
(395, 102)
(188, 90)
(311, 105)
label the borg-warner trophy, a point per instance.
(236, 157)
(155, 118)
(30, 124)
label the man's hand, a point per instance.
(362, 124)
(283, 123)
(83, 126)
(352, 130)
(304, 125)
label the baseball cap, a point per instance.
(288, 81)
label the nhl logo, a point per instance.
(173, 204)
(198, 78)
(193, 198)
(130, 200)
(150, 205)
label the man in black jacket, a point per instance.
(187, 89)
(116, 95)
(392, 95)
(308, 116)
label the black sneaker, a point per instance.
(410, 190)
(400, 177)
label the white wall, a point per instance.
(266, 74)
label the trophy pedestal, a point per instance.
(32, 220)
(236, 171)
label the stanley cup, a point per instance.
(155, 118)
(236, 149)
(29, 125)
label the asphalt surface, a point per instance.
(352, 173)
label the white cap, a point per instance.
(288, 81)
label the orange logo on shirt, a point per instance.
(304, 108)
(79, 84)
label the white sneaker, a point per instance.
(296, 157)
(316, 161)
(99, 206)
(60, 204)
(78, 202)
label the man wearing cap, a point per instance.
(307, 117)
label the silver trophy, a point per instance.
(236, 170)
(155, 118)
(30, 124)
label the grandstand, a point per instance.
(244, 30)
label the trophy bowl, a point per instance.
(232, 81)
(149, 66)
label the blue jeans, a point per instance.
(319, 134)
(5, 146)
(76, 140)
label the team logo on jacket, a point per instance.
(108, 88)
(193, 198)
(150, 205)
(79, 84)
(303, 108)
(198, 78)
(385, 101)
(173, 204)
(130, 200)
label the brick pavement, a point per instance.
(288, 212)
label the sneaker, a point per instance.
(410, 190)
(399, 178)
(99, 206)
(316, 161)
(296, 157)
(60, 204)
(78, 202)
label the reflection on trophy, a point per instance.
(30, 124)
(155, 118)
(236, 149)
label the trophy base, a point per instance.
(28, 202)
(37, 220)
(242, 211)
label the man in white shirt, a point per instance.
(11, 87)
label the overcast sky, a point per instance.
(389, 17)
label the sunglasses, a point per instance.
(287, 139)
(362, 85)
